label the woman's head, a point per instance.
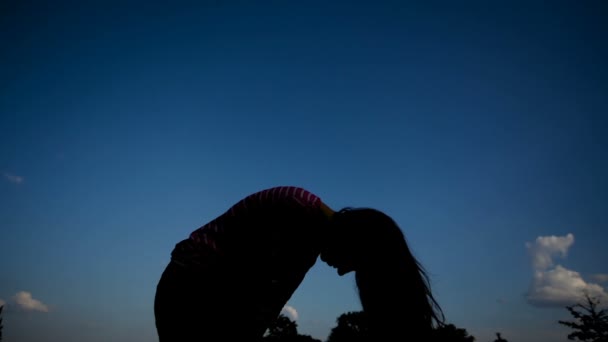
(343, 243)
(361, 238)
(393, 287)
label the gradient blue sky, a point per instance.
(480, 127)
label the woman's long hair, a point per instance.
(393, 286)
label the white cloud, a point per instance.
(560, 287)
(546, 247)
(556, 285)
(13, 178)
(600, 277)
(23, 300)
(290, 312)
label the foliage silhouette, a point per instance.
(281, 328)
(590, 324)
(450, 333)
(351, 327)
(1, 307)
(285, 330)
(499, 338)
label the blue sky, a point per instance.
(478, 126)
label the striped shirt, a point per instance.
(269, 240)
(273, 198)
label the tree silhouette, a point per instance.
(1, 307)
(281, 329)
(450, 333)
(499, 338)
(285, 330)
(351, 327)
(590, 324)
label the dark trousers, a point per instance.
(207, 306)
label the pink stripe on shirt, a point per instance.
(207, 234)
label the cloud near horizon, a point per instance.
(290, 312)
(555, 285)
(13, 178)
(23, 300)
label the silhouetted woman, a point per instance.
(231, 277)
